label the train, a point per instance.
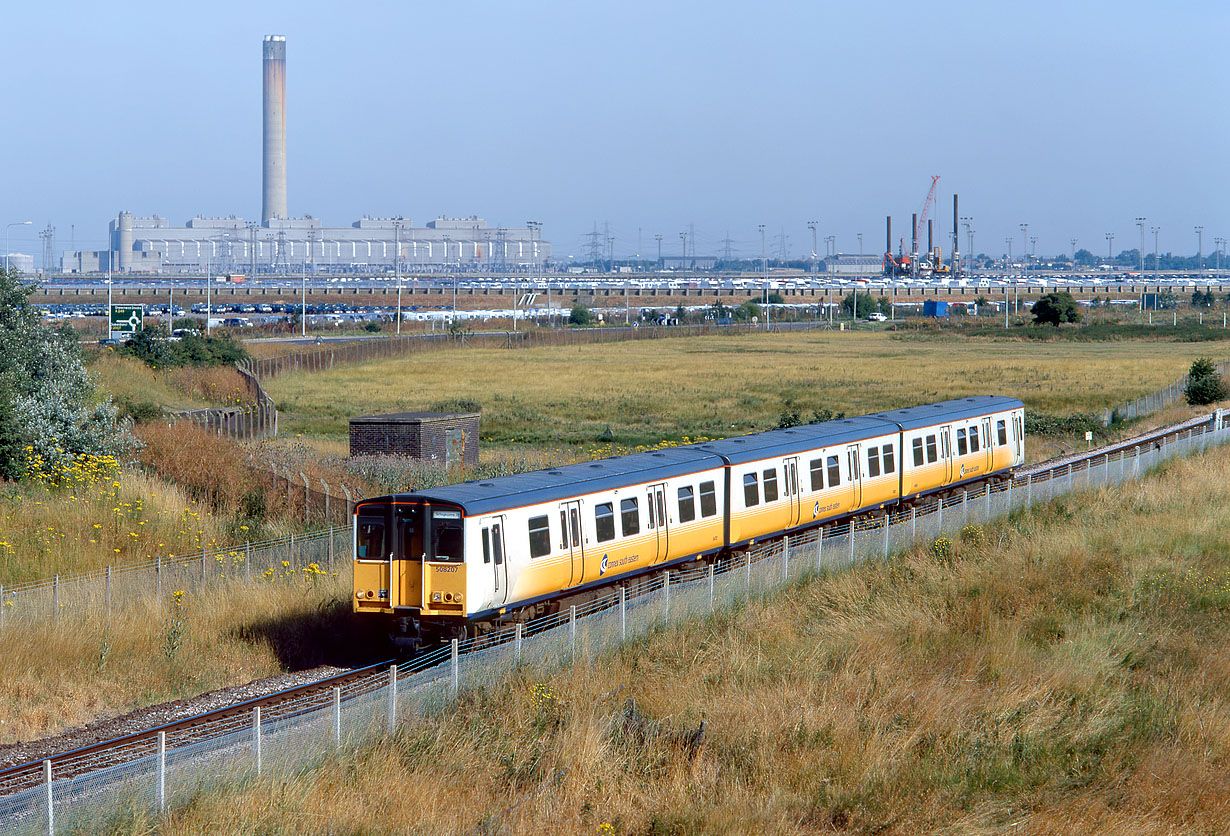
(458, 560)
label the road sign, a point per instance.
(125, 321)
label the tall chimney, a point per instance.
(273, 182)
(888, 234)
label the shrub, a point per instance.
(1204, 384)
(153, 346)
(372, 327)
(580, 315)
(1055, 308)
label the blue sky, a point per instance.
(1072, 117)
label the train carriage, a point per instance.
(441, 561)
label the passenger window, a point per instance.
(604, 521)
(961, 448)
(1002, 429)
(540, 536)
(770, 484)
(630, 516)
(873, 461)
(932, 452)
(370, 544)
(497, 544)
(687, 505)
(817, 474)
(973, 439)
(889, 464)
(563, 530)
(918, 452)
(576, 526)
(834, 469)
(708, 499)
(751, 493)
(486, 545)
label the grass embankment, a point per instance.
(53, 677)
(1068, 672)
(648, 392)
(130, 382)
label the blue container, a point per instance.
(934, 307)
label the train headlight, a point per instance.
(436, 597)
(457, 597)
(359, 594)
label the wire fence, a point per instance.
(1154, 401)
(278, 741)
(86, 594)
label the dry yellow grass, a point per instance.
(53, 677)
(173, 389)
(1068, 673)
(647, 392)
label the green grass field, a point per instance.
(647, 392)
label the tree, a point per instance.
(746, 312)
(580, 315)
(1204, 384)
(681, 314)
(981, 303)
(1085, 258)
(776, 298)
(866, 304)
(48, 404)
(1055, 308)
(1202, 299)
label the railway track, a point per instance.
(289, 703)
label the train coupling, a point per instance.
(406, 634)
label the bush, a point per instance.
(1055, 308)
(1204, 384)
(372, 327)
(154, 347)
(580, 315)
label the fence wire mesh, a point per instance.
(292, 736)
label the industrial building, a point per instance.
(280, 244)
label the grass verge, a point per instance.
(1065, 671)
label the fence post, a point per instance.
(307, 497)
(623, 613)
(786, 557)
(850, 537)
(1, 606)
(51, 810)
(290, 552)
(203, 564)
(913, 523)
(162, 772)
(887, 526)
(820, 549)
(988, 505)
(158, 579)
(747, 561)
(392, 698)
(572, 630)
(55, 598)
(256, 737)
(247, 559)
(108, 596)
(349, 501)
(456, 667)
(964, 507)
(326, 487)
(1029, 491)
(517, 634)
(939, 529)
(666, 596)
(711, 587)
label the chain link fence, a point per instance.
(164, 770)
(1154, 401)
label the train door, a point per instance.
(657, 521)
(790, 475)
(492, 532)
(570, 538)
(946, 453)
(856, 476)
(1019, 435)
(988, 447)
(409, 549)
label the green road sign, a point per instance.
(125, 320)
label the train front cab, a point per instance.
(409, 565)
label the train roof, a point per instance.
(503, 492)
(926, 415)
(487, 496)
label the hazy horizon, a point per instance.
(711, 116)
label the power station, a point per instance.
(282, 244)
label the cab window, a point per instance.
(370, 545)
(447, 536)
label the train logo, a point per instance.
(602, 568)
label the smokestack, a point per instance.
(914, 234)
(888, 233)
(930, 235)
(273, 182)
(956, 237)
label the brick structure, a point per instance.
(444, 437)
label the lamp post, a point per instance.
(969, 234)
(764, 271)
(1110, 246)
(534, 226)
(209, 287)
(1218, 245)
(397, 268)
(1073, 243)
(1140, 222)
(1157, 264)
(26, 223)
(1025, 245)
(659, 240)
(1199, 246)
(814, 246)
(860, 253)
(303, 301)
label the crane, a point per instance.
(926, 209)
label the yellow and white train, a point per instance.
(442, 561)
